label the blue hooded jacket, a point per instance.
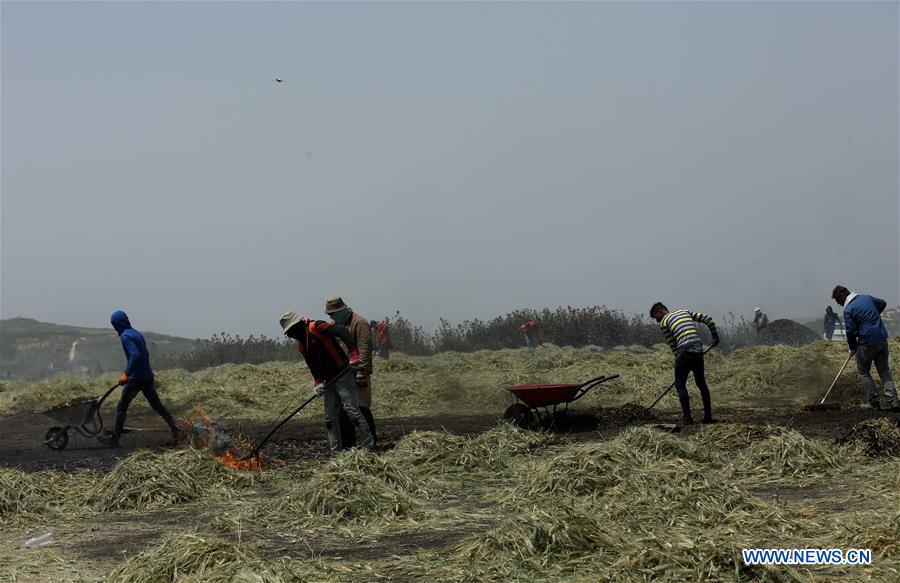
(862, 320)
(138, 367)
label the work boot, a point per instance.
(178, 436)
(687, 420)
(708, 420)
(110, 441)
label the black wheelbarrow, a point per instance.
(81, 414)
(538, 405)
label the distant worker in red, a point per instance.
(532, 334)
(383, 337)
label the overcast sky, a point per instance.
(457, 160)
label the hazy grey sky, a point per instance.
(455, 160)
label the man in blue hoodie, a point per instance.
(138, 378)
(868, 341)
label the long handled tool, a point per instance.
(258, 447)
(666, 392)
(822, 405)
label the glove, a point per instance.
(319, 389)
(715, 340)
(123, 379)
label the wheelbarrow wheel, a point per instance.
(56, 438)
(519, 415)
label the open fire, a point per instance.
(207, 434)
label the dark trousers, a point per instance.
(129, 392)
(686, 363)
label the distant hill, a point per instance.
(33, 350)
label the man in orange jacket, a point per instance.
(328, 363)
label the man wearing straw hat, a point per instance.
(330, 367)
(360, 360)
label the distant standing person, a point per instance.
(360, 361)
(760, 320)
(532, 334)
(137, 378)
(328, 363)
(831, 322)
(683, 335)
(867, 340)
(383, 336)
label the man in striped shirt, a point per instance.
(683, 335)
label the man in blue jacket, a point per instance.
(868, 341)
(138, 378)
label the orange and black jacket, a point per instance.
(322, 352)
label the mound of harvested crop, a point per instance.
(427, 450)
(680, 492)
(31, 493)
(344, 496)
(364, 463)
(193, 557)
(147, 480)
(663, 445)
(787, 332)
(875, 437)
(433, 452)
(789, 454)
(538, 535)
(580, 470)
(705, 556)
(733, 436)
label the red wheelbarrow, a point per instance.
(538, 405)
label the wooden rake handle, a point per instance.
(834, 382)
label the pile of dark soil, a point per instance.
(787, 332)
(877, 437)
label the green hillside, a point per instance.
(33, 350)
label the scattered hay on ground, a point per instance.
(148, 481)
(578, 470)
(789, 454)
(733, 436)
(25, 494)
(537, 535)
(195, 558)
(433, 452)
(342, 496)
(682, 492)
(662, 444)
(875, 437)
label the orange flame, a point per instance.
(231, 460)
(203, 415)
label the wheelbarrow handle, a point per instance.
(585, 387)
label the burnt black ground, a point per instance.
(22, 435)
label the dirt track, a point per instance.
(22, 435)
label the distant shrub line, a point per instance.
(564, 326)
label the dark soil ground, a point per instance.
(22, 435)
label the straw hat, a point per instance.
(289, 319)
(334, 304)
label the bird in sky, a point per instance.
(277, 80)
